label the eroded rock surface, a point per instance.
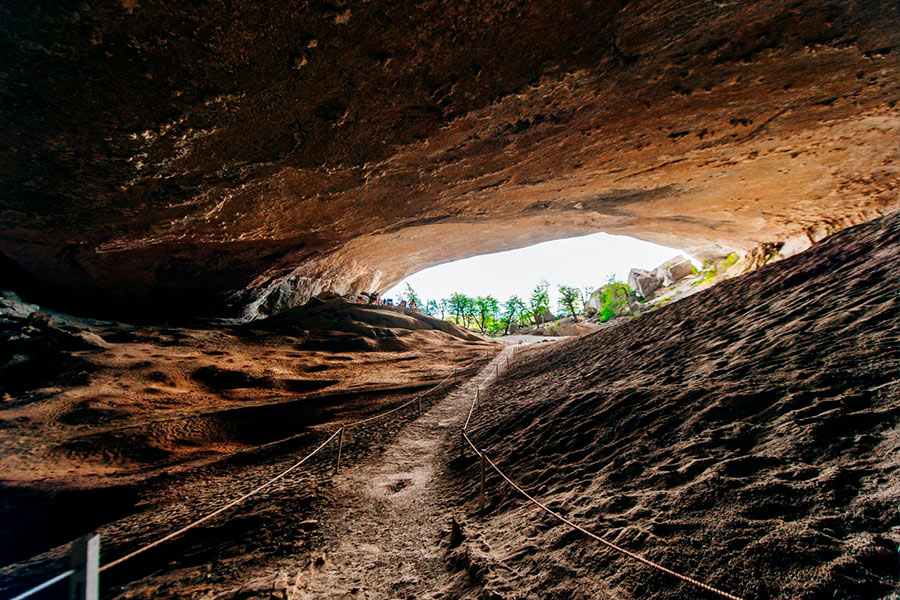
(187, 158)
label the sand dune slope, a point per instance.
(748, 435)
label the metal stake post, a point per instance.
(85, 581)
(483, 490)
(337, 464)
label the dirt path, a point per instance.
(385, 532)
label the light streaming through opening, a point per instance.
(581, 262)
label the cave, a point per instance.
(204, 159)
(195, 195)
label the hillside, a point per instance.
(747, 436)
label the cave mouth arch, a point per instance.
(583, 261)
(330, 155)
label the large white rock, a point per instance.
(644, 282)
(675, 269)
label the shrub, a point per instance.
(613, 300)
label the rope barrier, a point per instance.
(219, 511)
(254, 491)
(466, 437)
(278, 477)
(483, 455)
(405, 404)
(379, 415)
(472, 410)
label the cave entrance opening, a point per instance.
(580, 265)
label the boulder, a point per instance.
(11, 304)
(644, 282)
(675, 269)
(795, 245)
(545, 317)
(569, 329)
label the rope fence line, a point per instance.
(219, 511)
(91, 571)
(482, 455)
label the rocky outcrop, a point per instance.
(544, 317)
(670, 272)
(644, 282)
(569, 329)
(170, 157)
(676, 269)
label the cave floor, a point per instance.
(102, 452)
(388, 530)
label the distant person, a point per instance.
(413, 305)
(373, 298)
(403, 304)
(390, 301)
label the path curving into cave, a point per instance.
(384, 535)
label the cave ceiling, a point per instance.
(228, 157)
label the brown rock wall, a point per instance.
(161, 156)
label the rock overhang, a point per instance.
(166, 158)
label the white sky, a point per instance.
(581, 261)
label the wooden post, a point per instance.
(337, 464)
(483, 490)
(85, 581)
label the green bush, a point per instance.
(613, 300)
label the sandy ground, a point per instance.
(388, 528)
(131, 429)
(748, 436)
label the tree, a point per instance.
(513, 309)
(540, 299)
(584, 296)
(461, 307)
(443, 307)
(410, 296)
(432, 308)
(613, 299)
(486, 308)
(568, 300)
(469, 318)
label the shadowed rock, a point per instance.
(175, 158)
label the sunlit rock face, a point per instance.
(169, 157)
